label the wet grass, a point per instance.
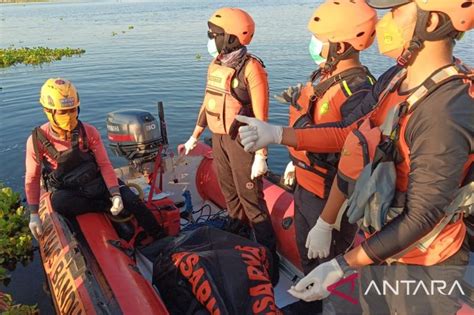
(35, 56)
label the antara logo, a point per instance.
(412, 287)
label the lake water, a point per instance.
(156, 60)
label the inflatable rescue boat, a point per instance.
(93, 264)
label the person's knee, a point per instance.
(59, 201)
(128, 194)
(132, 203)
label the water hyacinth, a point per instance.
(15, 238)
(35, 56)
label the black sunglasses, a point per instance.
(212, 34)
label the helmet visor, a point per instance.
(386, 4)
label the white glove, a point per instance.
(258, 134)
(289, 175)
(35, 225)
(190, 145)
(319, 239)
(314, 285)
(117, 205)
(259, 166)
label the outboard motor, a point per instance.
(134, 134)
(137, 136)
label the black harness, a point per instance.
(327, 161)
(76, 168)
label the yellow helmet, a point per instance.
(59, 94)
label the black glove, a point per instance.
(290, 95)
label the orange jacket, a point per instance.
(450, 240)
(222, 85)
(434, 145)
(330, 137)
(339, 96)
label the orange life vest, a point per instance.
(221, 100)
(363, 144)
(316, 105)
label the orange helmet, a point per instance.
(59, 94)
(351, 21)
(461, 12)
(235, 22)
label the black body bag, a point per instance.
(208, 270)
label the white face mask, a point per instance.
(315, 49)
(212, 48)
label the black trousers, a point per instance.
(243, 196)
(71, 203)
(409, 300)
(308, 208)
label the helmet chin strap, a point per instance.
(420, 35)
(408, 54)
(334, 58)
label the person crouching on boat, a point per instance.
(72, 161)
(236, 84)
(408, 168)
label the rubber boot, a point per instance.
(265, 235)
(302, 307)
(237, 227)
(125, 230)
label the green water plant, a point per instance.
(8, 306)
(35, 56)
(16, 244)
(4, 276)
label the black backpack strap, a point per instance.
(256, 58)
(83, 136)
(240, 74)
(38, 136)
(322, 87)
(434, 82)
(240, 69)
(34, 138)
